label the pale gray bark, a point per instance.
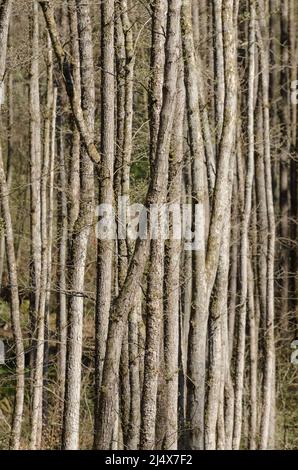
(244, 241)
(73, 93)
(40, 349)
(214, 416)
(16, 428)
(187, 333)
(9, 92)
(199, 312)
(156, 268)
(105, 247)
(80, 239)
(218, 68)
(133, 434)
(74, 172)
(268, 381)
(36, 242)
(172, 278)
(5, 10)
(127, 294)
(226, 145)
(15, 313)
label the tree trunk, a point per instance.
(70, 438)
(105, 248)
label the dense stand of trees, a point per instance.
(116, 341)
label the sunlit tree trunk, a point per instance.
(80, 239)
(37, 320)
(105, 248)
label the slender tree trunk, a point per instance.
(199, 313)
(15, 438)
(155, 275)
(40, 346)
(70, 439)
(105, 247)
(37, 321)
(9, 151)
(244, 241)
(133, 435)
(172, 277)
(218, 67)
(268, 381)
(217, 364)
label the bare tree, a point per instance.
(80, 239)
(15, 441)
(105, 248)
